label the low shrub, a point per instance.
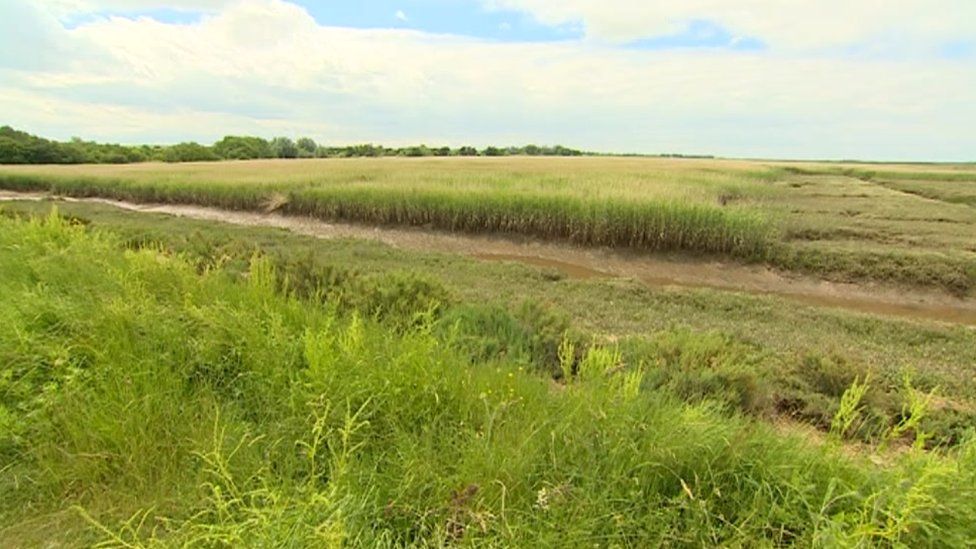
(530, 336)
(709, 366)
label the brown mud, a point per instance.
(661, 271)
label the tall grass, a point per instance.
(143, 403)
(672, 218)
(243, 197)
(647, 225)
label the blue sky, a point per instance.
(440, 16)
(770, 78)
(462, 17)
(468, 18)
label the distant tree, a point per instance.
(283, 147)
(117, 154)
(234, 147)
(365, 150)
(18, 147)
(13, 151)
(306, 147)
(559, 150)
(189, 152)
(154, 152)
(420, 150)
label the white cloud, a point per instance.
(789, 23)
(267, 67)
(111, 122)
(62, 7)
(401, 16)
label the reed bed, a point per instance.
(649, 225)
(844, 222)
(685, 217)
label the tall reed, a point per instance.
(652, 224)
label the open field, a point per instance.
(902, 224)
(160, 399)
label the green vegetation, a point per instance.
(763, 356)
(18, 147)
(834, 221)
(153, 398)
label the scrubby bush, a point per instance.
(530, 336)
(811, 390)
(710, 366)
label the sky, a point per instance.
(832, 79)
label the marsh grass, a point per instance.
(908, 225)
(662, 222)
(159, 406)
(646, 225)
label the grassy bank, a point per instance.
(889, 225)
(765, 356)
(145, 400)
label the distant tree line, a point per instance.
(18, 147)
(691, 156)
